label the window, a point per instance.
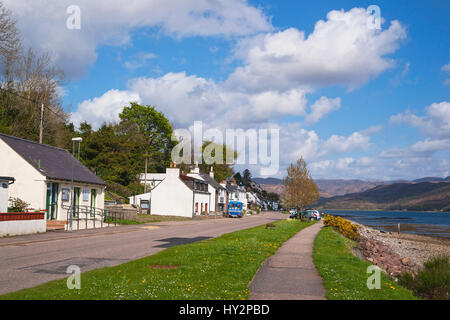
(65, 194)
(202, 207)
(196, 207)
(85, 195)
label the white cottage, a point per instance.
(43, 177)
(174, 194)
(217, 200)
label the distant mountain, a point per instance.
(431, 179)
(420, 196)
(267, 181)
(327, 187)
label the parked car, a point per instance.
(293, 213)
(312, 215)
(308, 214)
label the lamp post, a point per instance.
(72, 205)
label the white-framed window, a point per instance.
(85, 195)
(65, 194)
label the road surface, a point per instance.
(27, 261)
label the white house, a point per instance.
(237, 193)
(175, 194)
(252, 198)
(43, 177)
(217, 200)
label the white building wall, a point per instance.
(30, 185)
(202, 198)
(99, 201)
(20, 227)
(172, 197)
(211, 190)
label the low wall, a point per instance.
(125, 213)
(13, 224)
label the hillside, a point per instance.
(397, 196)
(327, 188)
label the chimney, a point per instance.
(211, 173)
(196, 169)
(172, 173)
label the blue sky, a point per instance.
(355, 103)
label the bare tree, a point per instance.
(28, 82)
(300, 190)
(10, 42)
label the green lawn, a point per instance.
(219, 268)
(345, 276)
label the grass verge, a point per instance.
(345, 276)
(219, 268)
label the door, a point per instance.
(93, 201)
(52, 201)
(76, 201)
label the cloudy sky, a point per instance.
(354, 100)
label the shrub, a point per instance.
(18, 205)
(345, 227)
(431, 282)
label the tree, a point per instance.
(154, 132)
(300, 190)
(27, 81)
(246, 177)
(238, 178)
(222, 171)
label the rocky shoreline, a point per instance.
(398, 252)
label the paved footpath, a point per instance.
(290, 273)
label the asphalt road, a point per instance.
(27, 261)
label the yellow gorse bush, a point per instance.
(345, 227)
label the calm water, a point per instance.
(435, 224)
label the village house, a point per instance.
(175, 194)
(217, 200)
(43, 176)
(237, 193)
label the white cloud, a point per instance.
(340, 51)
(104, 109)
(446, 67)
(110, 22)
(321, 108)
(185, 99)
(139, 60)
(436, 122)
(340, 144)
(420, 149)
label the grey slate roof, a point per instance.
(211, 181)
(189, 181)
(54, 163)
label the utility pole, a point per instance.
(145, 177)
(42, 122)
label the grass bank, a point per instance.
(219, 268)
(345, 276)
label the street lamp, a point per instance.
(72, 205)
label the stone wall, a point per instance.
(381, 255)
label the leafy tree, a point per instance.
(299, 188)
(155, 133)
(246, 177)
(222, 171)
(238, 178)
